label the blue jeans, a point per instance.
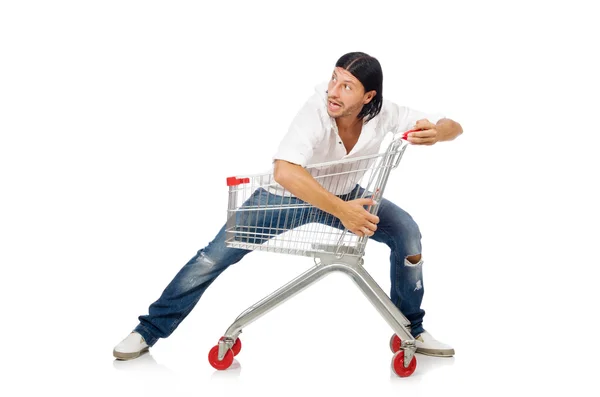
(396, 229)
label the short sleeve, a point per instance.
(399, 119)
(304, 134)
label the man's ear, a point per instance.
(369, 96)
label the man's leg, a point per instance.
(398, 230)
(186, 289)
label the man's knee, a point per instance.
(414, 259)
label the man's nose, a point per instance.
(335, 90)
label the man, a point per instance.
(345, 118)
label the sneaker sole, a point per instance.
(129, 356)
(435, 353)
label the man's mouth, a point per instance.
(334, 105)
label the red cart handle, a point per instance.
(405, 135)
(233, 181)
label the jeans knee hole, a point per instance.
(410, 264)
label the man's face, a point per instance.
(345, 94)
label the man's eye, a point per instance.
(347, 87)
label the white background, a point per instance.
(120, 121)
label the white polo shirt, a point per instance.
(313, 135)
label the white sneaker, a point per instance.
(427, 344)
(131, 347)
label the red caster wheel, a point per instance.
(237, 346)
(213, 359)
(398, 365)
(395, 343)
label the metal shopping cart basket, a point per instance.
(263, 216)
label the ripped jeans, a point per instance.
(396, 229)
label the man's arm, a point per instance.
(429, 133)
(295, 179)
(448, 129)
(398, 119)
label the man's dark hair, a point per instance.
(368, 71)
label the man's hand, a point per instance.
(358, 220)
(427, 134)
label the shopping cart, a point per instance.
(263, 216)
